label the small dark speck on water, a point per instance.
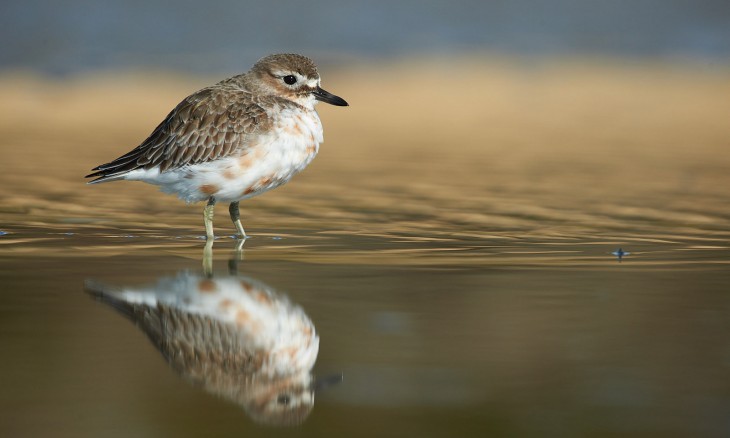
(620, 253)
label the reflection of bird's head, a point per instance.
(287, 401)
(233, 336)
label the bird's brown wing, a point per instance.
(209, 124)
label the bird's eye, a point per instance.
(290, 79)
(283, 399)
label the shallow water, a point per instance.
(461, 285)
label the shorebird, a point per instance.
(235, 337)
(234, 140)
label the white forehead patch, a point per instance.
(311, 82)
(282, 73)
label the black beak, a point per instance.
(327, 97)
(324, 382)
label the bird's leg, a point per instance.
(239, 249)
(208, 258)
(236, 218)
(208, 218)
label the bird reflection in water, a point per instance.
(232, 335)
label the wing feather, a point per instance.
(210, 124)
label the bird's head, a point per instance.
(294, 77)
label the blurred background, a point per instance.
(579, 100)
(227, 36)
(452, 242)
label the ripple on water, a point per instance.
(406, 247)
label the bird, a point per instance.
(234, 140)
(233, 336)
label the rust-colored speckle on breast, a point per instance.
(246, 160)
(312, 149)
(245, 285)
(209, 189)
(292, 352)
(229, 173)
(242, 317)
(207, 286)
(294, 129)
(263, 298)
(225, 304)
(249, 158)
(261, 183)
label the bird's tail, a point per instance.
(102, 178)
(117, 169)
(106, 295)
